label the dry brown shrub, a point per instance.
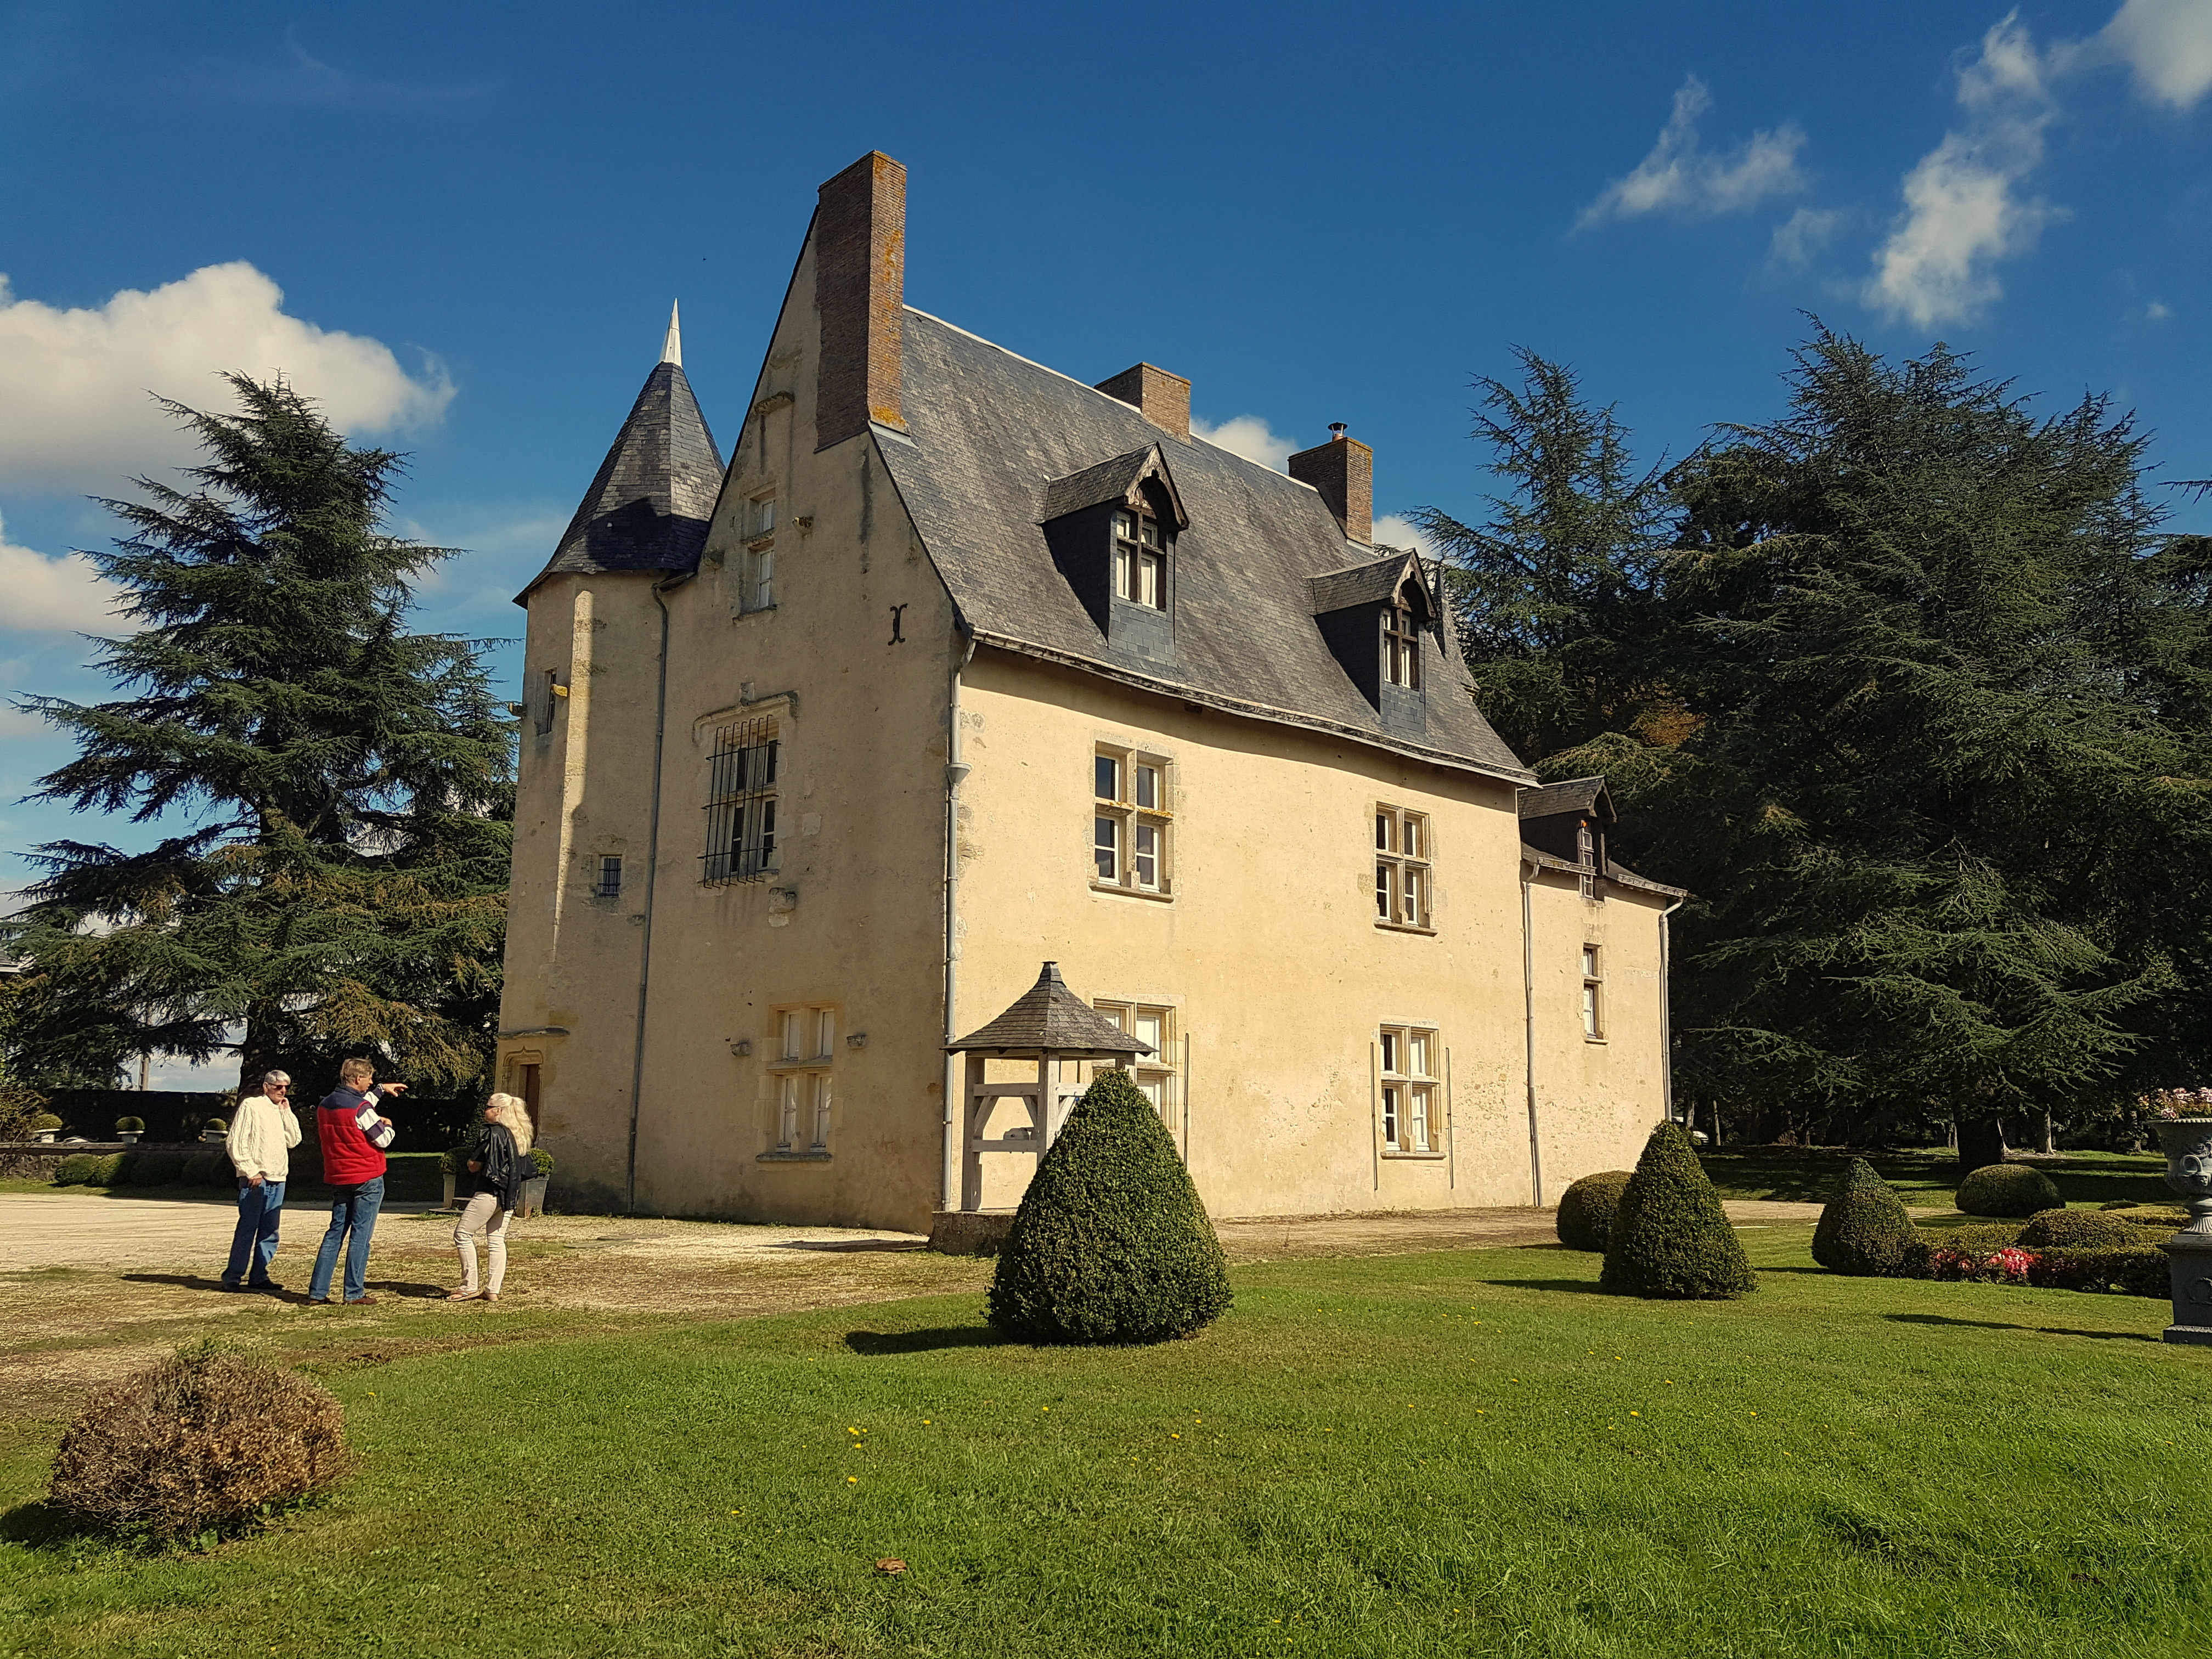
(204, 1441)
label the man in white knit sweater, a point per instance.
(262, 1137)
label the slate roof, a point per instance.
(1364, 583)
(1574, 795)
(1109, 481)
(649, 507)
(1050, 1017)
(986, 433)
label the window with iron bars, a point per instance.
(741, 798)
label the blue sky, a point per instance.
(461, 225)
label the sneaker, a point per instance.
(360, 1301)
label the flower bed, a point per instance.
(2125, 1269)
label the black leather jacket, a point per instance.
(504, 1168)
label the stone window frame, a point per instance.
(744, 841)
(758, 591)
(1409, 1084)
(607, 879)
(1155, 1071)
(1401, 872)
(1134, 823)
(802, 1079)
(1593, 997)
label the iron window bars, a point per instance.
(741, 803)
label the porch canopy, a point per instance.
(1047, 1023)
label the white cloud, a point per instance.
(1803, 235)
(63, 595)
(1250, 436)
(74, 409)
(1391, 531)
(2158, 311)
(2168, 45)
(1963, 208)
(1679, 177)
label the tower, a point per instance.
(585, 828)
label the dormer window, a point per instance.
(1402, 646)
(1140, 559)
(1112, 531)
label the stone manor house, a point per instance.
(959, 666)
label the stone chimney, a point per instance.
(859, 290)
(1343, 471)
(1163, 398)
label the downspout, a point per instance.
(652, 869)
(956, 772)
(1528, 1009)
(1666, 1013)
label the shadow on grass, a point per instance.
(929, 1341)
(38, 1525)
(380, 1287)
(2000, 1325)
(848, 1247)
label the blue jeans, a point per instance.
(259, 1209)
(353, 1210)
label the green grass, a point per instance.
(1923, 1175)
(1458, 1454)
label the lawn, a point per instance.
(1923, 1175)
(1467, 1453)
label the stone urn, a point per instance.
(2187, 1143)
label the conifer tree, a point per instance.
(336, 791)
(1944, 811)
(1551, 594)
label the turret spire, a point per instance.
(671, 349)
(649, 507)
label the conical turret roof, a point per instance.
(649, 507)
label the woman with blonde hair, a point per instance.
(500, 1166)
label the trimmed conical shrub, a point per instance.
(2008, 1190)
(1111, 1243)
(1670, 1237)
(1586, 1210)
(1864, 1230)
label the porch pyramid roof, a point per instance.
(1049, 1018)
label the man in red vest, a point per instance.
(354, 1135)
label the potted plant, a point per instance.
(533, 1190)
(128, 1129)
(214, 1132)
(44, 1126)
(454, 1163)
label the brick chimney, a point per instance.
(1343, 471)
(859, 290)
(1163, 398)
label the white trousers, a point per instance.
(481, 1215)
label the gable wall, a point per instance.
(861, 830)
